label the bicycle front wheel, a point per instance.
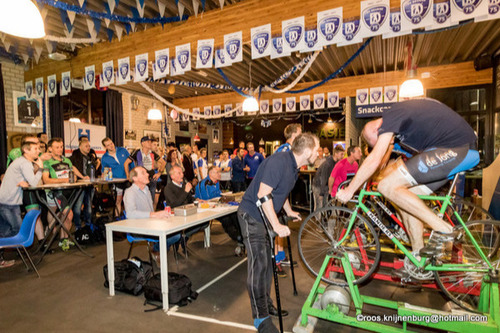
(320, 233)
(463, 288)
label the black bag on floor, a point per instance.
(179, 290)
(84, 235)
(131, 275)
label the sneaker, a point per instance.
(439, 242)
(70, 243)
(286, 262)
(7, 263)
(63, 244)
(280, 271)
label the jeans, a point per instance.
(152, 188)
(320, 201)
(85, 198)
(260, 266)
(10, 220)
(238, 186)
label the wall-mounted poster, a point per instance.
(154, 135)
(26, 111)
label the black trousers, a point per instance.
(260, 266)
(238, 186)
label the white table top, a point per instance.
(157, 227)
(79, 183)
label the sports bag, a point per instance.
(179, 290)
(130, 275)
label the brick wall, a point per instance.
(137, 120)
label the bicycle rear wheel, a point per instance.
(320, 232)
(463, 288)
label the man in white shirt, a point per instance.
(224, 164)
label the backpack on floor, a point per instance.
(179, 290)
(131, 275)
(84, 235)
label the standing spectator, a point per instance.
(262, 151)
(42, 137)
(320, 180)
(238, 172)
(172, 160)
(171, 145)
(187, 164)
(16, 152)
(201, 165)
(115, 159)
(241, 145)
(56, 171)
(344, 167)
(291, 132)
(252, 162)
(224, 163)
(148, 159)
(195, 155)
(320, 159)
(84, 161)
(326, 152)
(24, 171)
(159, 169)
(43, 147)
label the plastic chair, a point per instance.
(132, 239)
(24, 238)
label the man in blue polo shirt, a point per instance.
(252, 162)
(291, 132)
(115, 158)
(273, 182)
(238, 172)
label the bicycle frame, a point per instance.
(423, 262)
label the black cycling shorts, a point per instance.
(30, 201)
(435, 166)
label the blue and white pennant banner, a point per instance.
(205, 53)
(89, 78)
(123, 75)
(261, 40)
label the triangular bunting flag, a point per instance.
(44, 11)
(31, 41)
(127, 28)
(65, 20)
(90, 26)
(71, 16)
(119, 31)
(97, 25)
(132, 26)
(38, 52)
(196, 4)
(107, 21)
(69, 34)
(161, 8)
(111, 6)
(110, 33)
(73, 46)
(221, 3)
(180, 6)
(203, 5)
(50, 47)
(140, 7)
(6, 43)
(81, 2)
(25, 58)
(2, 36)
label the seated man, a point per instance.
(445, 144)
(139, 203)
(178, 191)
(208, 189)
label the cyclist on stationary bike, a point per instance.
(442, 144)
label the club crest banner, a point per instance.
(28, 89)
(375, 17)
(290, 104)
(395, 25)
(123, 71)
(362, 96)
(39, 87)
(292, 32)
(183, 57)
(205, 53)
(108, 72)
(390, 94)
(277, 50)
(333, 99)
(220, 59)
(196, 113)
(416, 14)
(329, 26)
(319, 101)
(441, 15)
(277, 105)
(161, 64)
(350, 31)
(305, 103)
(89, 78)
(467, 9)
(216, 110)
(239, 110)
(233, 47)
(261, 41)
(264, 106)
(376, 96)
(65, 83)
(174, 69)
(311, 43)
(207, 110)
(51, 85)
(227, 108)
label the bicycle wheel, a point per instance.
(320, 232)
(463, 288)
(467, 210)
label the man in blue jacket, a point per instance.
(238, 172)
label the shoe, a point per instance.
(63, 244)
(439, 242)
(70, 243)
(267, 326)
(273, 311)
(286, 262)
(7, 263)
(49, 251)
(280, 271)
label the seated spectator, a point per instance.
(178, 192)
(208, 189)
(56, 171)
(24, 171)
(139, 203)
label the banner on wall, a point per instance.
(39, 87)
(395, 25)
(390, 94)
(264, 106)
(141, 67)
(305, 103)
(362, 97)
(227, 108)
(329, 25)
(89, 78)
(183, 57)
(468, 9)
(205, 53)
(350, 32)
(28, 89)
(441, 15)
(196, 113)
(65, 83)
(161, 64)
(239, 110)
(376, 96)
(107, 76)
(319, 101)
(216, 110)
(277, 50)
(416, 14)
(51, 85)
(123, 71)
(233, 47)
(220, 59)
(292, 32)
(207, 110)
(73, 131)
(375, 17)
(332, 100)
(277, 105)
(311, 43)
(261, 41)
(174, 69)
(290, 104)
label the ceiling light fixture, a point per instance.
(74, 120)
(154, 113)
(250, 104)
(262, 142)
(196, 138)
(310, 121)
(329, 120)
(231, 142)
(412, 87)
(21, 18)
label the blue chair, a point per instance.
(24, 238)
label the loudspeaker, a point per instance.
(483, 61)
